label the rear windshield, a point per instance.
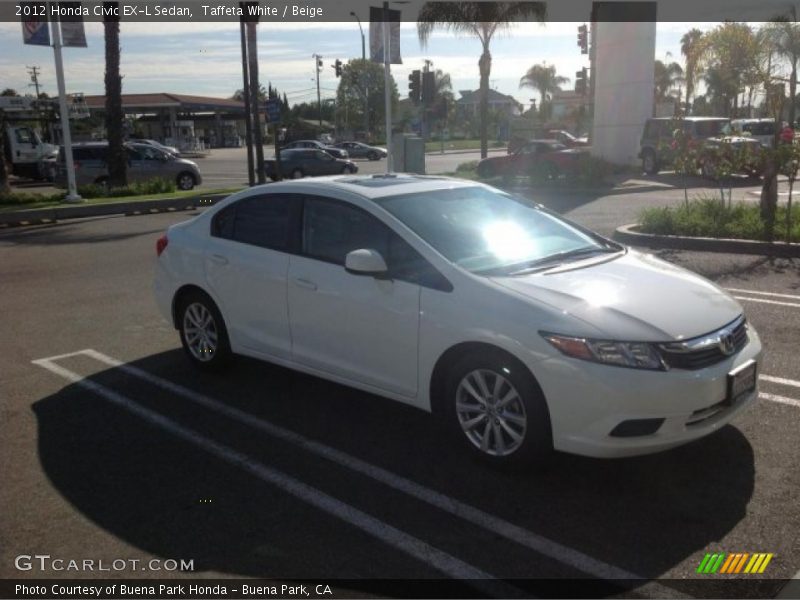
(709, 128)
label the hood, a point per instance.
(636, 297)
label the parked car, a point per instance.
(552, 157)
(762, 130)
(523, 331)
(171, 149)
(654, 149)
(314, 144)
(744, 153)
(359, 150)
(303, 163)
(566, 138)
(144, 163)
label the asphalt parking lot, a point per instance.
(115, 448)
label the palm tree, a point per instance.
(720, 88)
(117, 159)
(482, 20)
(785, 37)
(667, 77)
(544, 79)
(691, 47)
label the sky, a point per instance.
(204, 58)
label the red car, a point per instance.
(550, 156)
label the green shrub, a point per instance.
(708, 217)
(467, 166)
(22, 198)
(141, 188)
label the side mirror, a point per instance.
(365, 262)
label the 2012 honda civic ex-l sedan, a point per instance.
(523, 331)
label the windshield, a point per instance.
(487, 231)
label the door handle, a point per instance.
(219, 259)
(305, 283)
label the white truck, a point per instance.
(26, 154)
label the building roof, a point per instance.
(473, 97)
(165, 100)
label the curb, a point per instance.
(40, 216)
(627, 235)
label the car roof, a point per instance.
(691, 119)
(371, 187)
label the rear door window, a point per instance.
(262, 221)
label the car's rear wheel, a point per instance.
(496, 408)
(649, 163)
(186, 181)
(297, 174)
(203, 333)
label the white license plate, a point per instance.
(741, 381)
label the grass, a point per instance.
(708, 217)
(436, 145)
(19, 202)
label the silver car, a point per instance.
(144, 163)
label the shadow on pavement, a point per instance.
(146, 487)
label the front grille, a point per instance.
(705, 350)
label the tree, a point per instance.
(544, 79)
(691, 46)
(117, 157)
(666, 79)
(9, 92)
(733, 52)
(785, 38)
(482, 20)
(720, 89)
(362, 79)
(441, 104)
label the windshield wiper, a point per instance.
(554, 260)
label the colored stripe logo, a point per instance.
(734, 563)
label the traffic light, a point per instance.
(319, 63)
(428, 87)
(337, 67)
(414, 86)
(581, 82)
(583, 39)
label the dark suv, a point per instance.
(654, 148)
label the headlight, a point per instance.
(636, 355)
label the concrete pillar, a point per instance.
(623, 84)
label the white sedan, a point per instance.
(523, 331)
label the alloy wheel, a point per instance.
(200, 332)
(491, 412)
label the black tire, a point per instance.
(708, 170)
(347, 169)
(649, 162)
(297, 174)
(102, 182)
(185, 181)
(221, 356)
(373, 156)
(536, 444)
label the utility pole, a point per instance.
(252, 55)
(386, 93)
(248, 115)
(318, 68)
(34, 72)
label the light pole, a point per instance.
(363, 75)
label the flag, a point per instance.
(72, 32)
(34, 26)
(376, 35)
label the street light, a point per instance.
(361, 29)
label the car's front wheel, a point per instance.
(373, 156)
(496, 408)
(649, 162)
(203, 333)
(297, 174)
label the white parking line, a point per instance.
(540, 544)
(779, 399)
(765, 301)
(780, 380)
(758, 293)
(441, 561)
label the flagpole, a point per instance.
(387, 96)
(72, 190)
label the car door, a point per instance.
(326, 164)
(246, 263)
(359, 327)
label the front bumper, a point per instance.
(587, 401)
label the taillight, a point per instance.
(161, 244)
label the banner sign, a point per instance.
(376, 35)
(34, 24)
(273, 109)
(72, 32)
